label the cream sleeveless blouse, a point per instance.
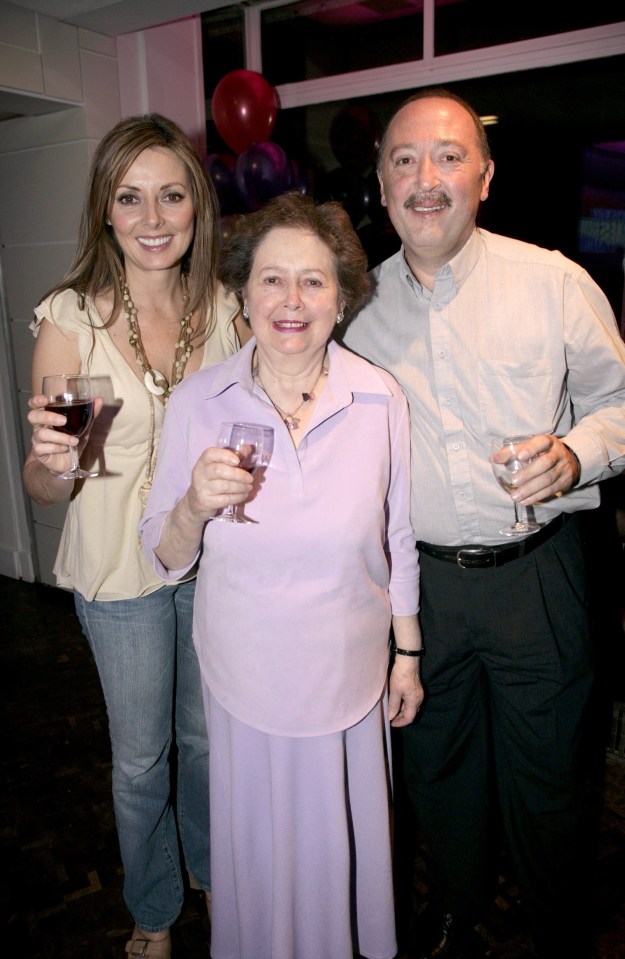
(99, 553)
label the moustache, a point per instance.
(429, 200)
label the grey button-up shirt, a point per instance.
(513, 339)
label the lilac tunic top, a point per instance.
(292, 612)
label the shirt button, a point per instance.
(441, 353)
(438, 307)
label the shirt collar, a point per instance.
(351, 374)
(236, 370)
(464, 261)
(348, 373)
(459, 267)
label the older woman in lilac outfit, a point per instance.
(293, 611)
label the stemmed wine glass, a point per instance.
(71, 394)
(247, 440)
(267, 445)
(505, 473)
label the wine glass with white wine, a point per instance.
(506, 472)
(71, 394)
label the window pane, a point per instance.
(548, 118)
(471, 24)
(223, 45)
(317, 38)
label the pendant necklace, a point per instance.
(290, 420)
(155, 381)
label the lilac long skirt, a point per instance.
(300, 842)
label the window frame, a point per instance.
(553, 50)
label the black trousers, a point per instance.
(508, 674)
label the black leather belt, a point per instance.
(484, 557)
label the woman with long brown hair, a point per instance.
(139, 309)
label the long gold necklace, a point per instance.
(155, 381)
(290, 420)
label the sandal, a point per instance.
(144, 948)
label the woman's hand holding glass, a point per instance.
(247, 440)
(61, 422)
(218, 481)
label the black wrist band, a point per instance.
(408, 652)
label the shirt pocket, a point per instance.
(516, 396)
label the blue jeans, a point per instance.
(151, 682)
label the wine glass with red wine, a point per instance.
(247, 440)
(71, 395)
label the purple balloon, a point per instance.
(262, 172)
(350, 189)
(220, 168)
(226, 225)
(298, 180)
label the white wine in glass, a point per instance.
(71, 395)
(506, 472)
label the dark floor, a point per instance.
(62, 875)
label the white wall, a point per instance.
(161, 70)
(43, 165)
(82, 90)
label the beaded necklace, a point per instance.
(290, 420)
(155, 381)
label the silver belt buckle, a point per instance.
(475, 552)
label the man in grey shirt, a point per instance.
(491, 337)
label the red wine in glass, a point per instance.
(246, 439)
(71, 395)
(79, 414)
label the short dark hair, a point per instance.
(441, 93)
(328, 221)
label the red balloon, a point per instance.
(244, 108)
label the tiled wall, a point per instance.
(43, 166)
(38, 54)
(89, 81)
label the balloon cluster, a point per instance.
(355, 135)
(244, 108)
